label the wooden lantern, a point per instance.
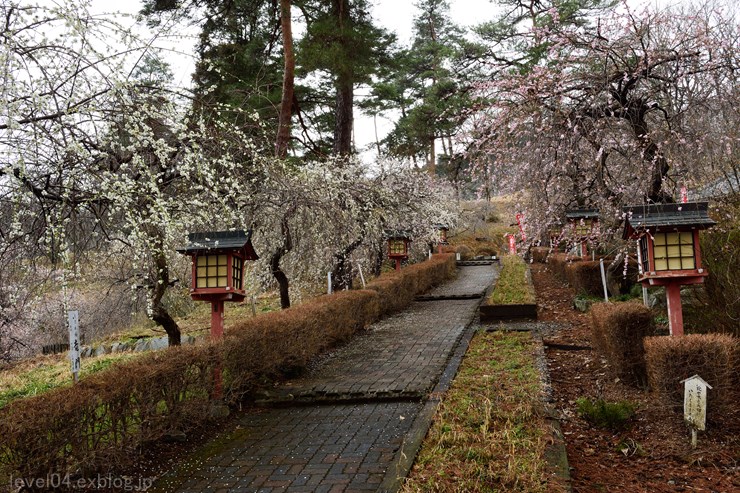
(218, 270)
(398, 246)
(555, 232)
(668, 249)
(583, 223)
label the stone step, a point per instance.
(443, 297)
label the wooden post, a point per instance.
(398, 264)
(675, 313)
(217, 333)
(217, 320)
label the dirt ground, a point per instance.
(653, 454)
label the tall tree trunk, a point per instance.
(160, 315)
(344, 117)
(286, 103)
(343, 110)
(432, 163)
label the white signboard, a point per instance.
(695, 402)
(73, 318)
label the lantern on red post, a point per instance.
(218, 270)
(584, 224)
(556, 234)
(668, 249)
(398, 246)
(512, 243)
(442, 230)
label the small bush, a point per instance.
(585, 277)
(539, 254)
(558, 263)
(466, 253)
(610, 415)
(714, 357)
(617, 331)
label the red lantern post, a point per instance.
(398, 246)
(669, 252)
(442, 230)
(583, 223)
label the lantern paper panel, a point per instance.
(211, 271)
(674, 251)
(396, 247)
(237, 272)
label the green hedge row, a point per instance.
(101, 424)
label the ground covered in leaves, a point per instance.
(653, 453)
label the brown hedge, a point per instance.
(101, 424)
(618, 330)
(558, 263)
(585, 277)
(539, 254)
(714, 357)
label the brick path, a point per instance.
(356, 407)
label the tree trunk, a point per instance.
(651, 155)
(432, 163)
(281, 278)
(160, 315)
(344, 117)
(286, 103)
(342, 271)
(277, 255)
(343, 110)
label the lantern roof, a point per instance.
(582, 213)
(397, 234)
(687, 215)
(214, 241)
(442, 226)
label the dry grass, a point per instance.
(488, 433)
(514, 286)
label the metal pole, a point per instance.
(328, 287)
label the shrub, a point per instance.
(617, 331)
(466, 253)
(720, 251)
(610, 415)
(585, 277)
(539, 254)
(100, 424)
(558, 262)
(714, 357)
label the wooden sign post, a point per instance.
(695, 405)
(73, 323)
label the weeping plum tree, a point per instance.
(87, 149)
(613, 110)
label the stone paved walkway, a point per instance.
(355, 408)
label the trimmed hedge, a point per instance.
(558, 262)
(539, 254)
(618, 330)
(714, 357)
(585, 277)
(101, 424)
